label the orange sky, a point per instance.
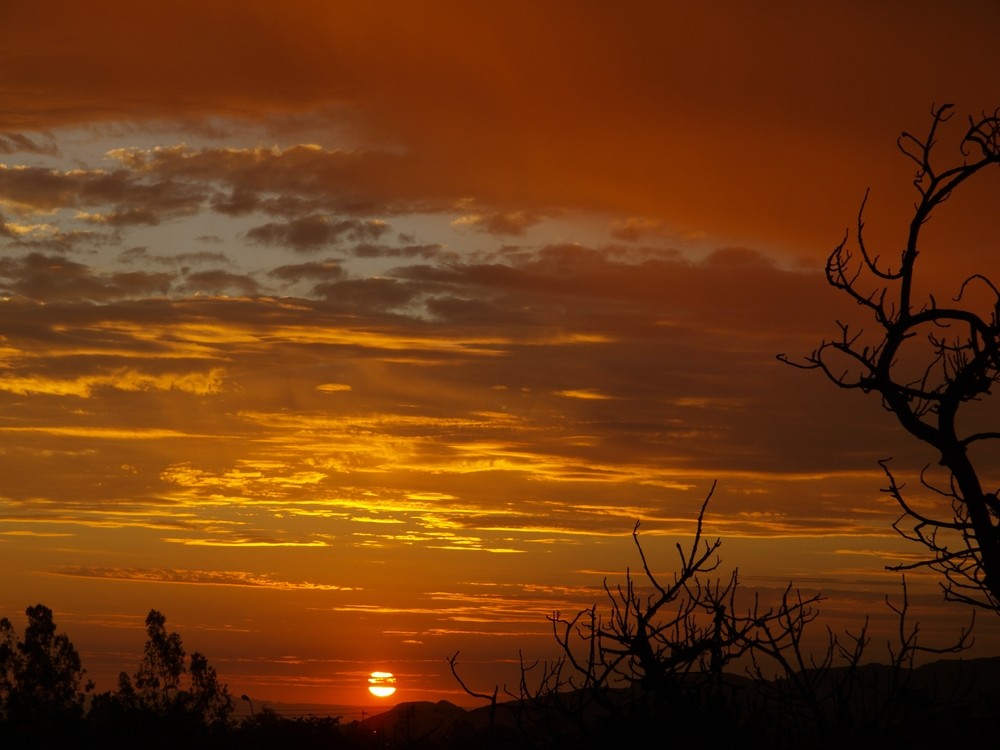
(351, 337)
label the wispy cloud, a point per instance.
(240, 579)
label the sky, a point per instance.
(350, 336)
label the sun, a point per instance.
(381, 684)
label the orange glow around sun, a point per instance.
(381, 684)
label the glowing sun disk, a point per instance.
(381, 684)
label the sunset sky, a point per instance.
(351, 335)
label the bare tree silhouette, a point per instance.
(696, 657)
(929, 362)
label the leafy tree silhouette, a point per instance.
(208, 698)
(8, 663)
(162, 663)
(155, 704)
(41, 675)
(930, 363)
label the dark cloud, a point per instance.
(735, 287)
(131, 199)
(367, 294)
(12, 143)
(139, 284)
(426, 252)
(54, 239)
(330, 270)
(134, 254)
(218, 282)
(143, 255)
(123, 218)
(238, 203)
(295, 180)
(241, 201)
(54, 278)
(315, 231)
(470, 311)
(203, 256)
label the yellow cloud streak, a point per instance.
(263, 337)
(108, 433)
(151, 518)
(586, 394)
(197, 383)
(240, 543)
(333, 387)
(318, 434)
(456, 547)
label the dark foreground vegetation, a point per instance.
(173, 701)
